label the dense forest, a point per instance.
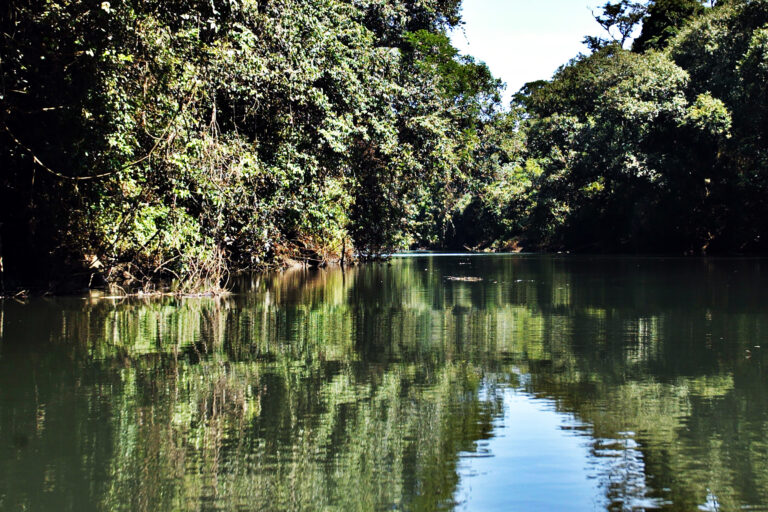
(144, 141)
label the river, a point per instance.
(430, 382)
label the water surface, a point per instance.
(551, 383)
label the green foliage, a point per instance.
(710, 115)
(153, 140)
(659, 151)
(146, 141)
(663, 21)
(619, 20)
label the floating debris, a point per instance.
(465, 279)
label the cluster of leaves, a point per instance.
(659, 148)
(152, 139)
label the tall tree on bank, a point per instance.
(619, 21)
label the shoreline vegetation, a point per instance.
(149, 146)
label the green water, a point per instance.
(555, 383)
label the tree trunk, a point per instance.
(2, 274)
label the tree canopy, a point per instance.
(659, 149)
(145, 141)
(148, 139)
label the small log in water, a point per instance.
(465, 279)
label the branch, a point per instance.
(124, 167)
(41, 164)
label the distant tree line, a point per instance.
(144, 141)
(661, 147)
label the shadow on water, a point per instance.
(556, 382)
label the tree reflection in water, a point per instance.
(370, 389)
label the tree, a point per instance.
(619, 20)
(663, 20)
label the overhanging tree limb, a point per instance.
(160, 141)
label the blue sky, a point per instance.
(525, 40)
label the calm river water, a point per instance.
(553, 384)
